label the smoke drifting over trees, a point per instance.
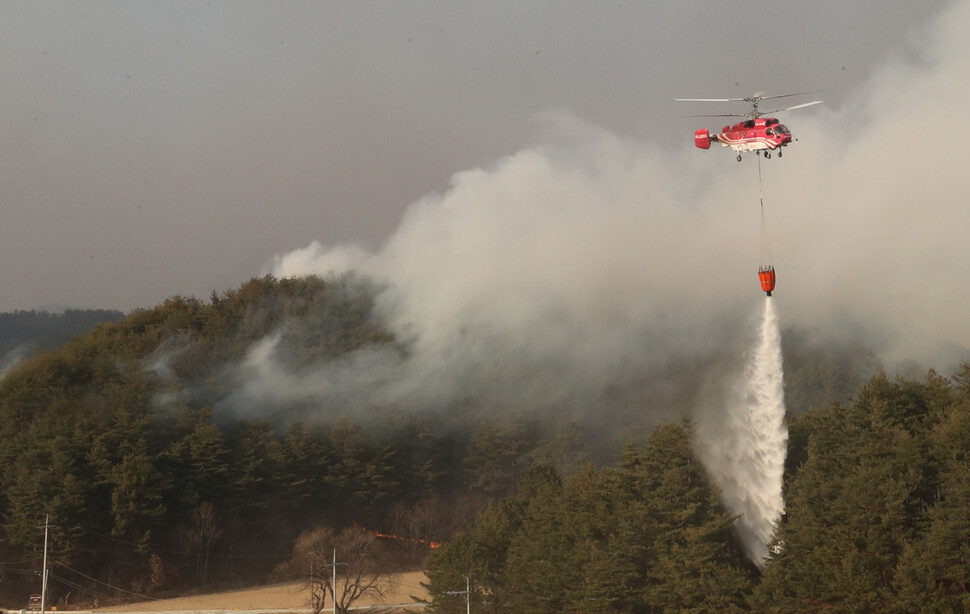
(592, 258)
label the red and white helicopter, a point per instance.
(757, 133)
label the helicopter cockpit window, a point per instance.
(781, 129)
(769, 131)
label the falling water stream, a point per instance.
(745, 451)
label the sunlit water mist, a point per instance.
(744, 448)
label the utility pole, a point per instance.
(333, 589)
(313, 605)
(467, 593)
(43, 584)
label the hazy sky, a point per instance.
(156, 148)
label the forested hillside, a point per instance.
(152, 489)
(147, 491)
(159, 476)
(878, 520)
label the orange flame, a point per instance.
(410, 540)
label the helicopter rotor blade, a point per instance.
(710, 99)
(785, 95)
(797, 106)
(721, 115)
(758, 97)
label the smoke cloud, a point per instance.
(572, 266)
(545, 279)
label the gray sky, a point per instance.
(152, 149)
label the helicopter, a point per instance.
(757, 133)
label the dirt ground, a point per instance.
(401, 588)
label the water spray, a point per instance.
(744, 447)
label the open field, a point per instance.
(402, 588)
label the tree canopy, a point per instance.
(878, 520)
(155, 483)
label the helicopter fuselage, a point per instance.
(760, 133)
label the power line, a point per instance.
(467, 593)
(115, 588)
(82, 589)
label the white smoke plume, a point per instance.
(12, 358)
(549, 277)
(568, 266)
(743, 442)
(538, 281)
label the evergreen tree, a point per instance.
(855, 503)
(198, 459)
(137, 494)
(647, 535)
(935, 569)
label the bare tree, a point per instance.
(357, 573)
(202, 532)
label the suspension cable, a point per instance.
(765, 244)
